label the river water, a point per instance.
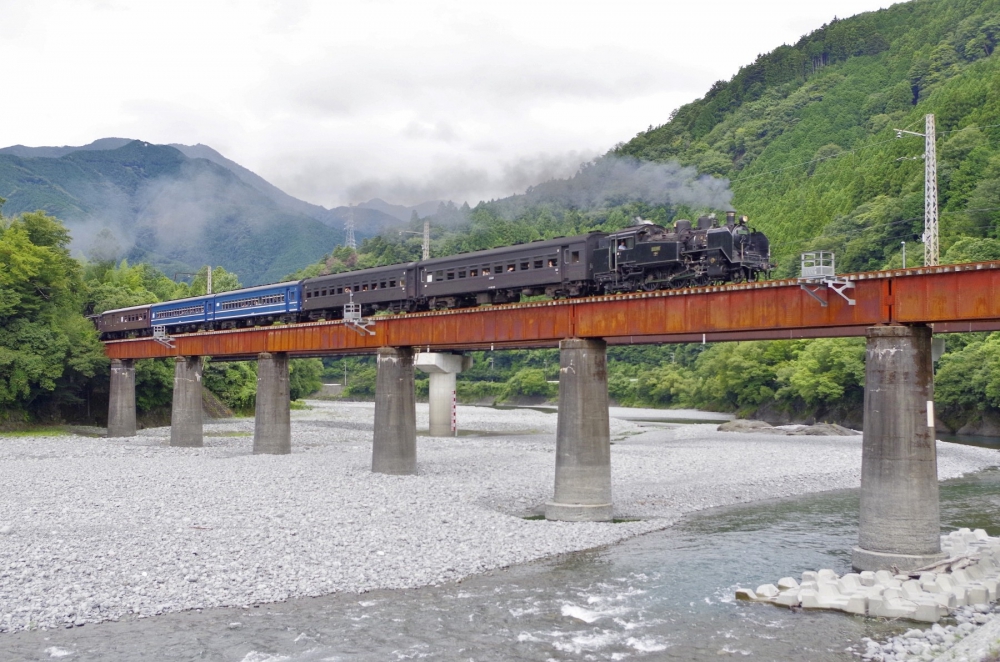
(666, 595)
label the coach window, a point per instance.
(486, 271)
(510, 267)
(473, 273)
(392, 283)
(553, 262)
(323, 292)
(538, 264)
(364, 287)
(461, 274)
(524, 266)
(438, 275)
(574, 257)
(382, 285)
(451, 275)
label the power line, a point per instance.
(740, 178)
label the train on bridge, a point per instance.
(643, 257)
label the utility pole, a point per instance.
(427, 239)
(349, 229)
(904, 253)
(208, 278)
(932, 248)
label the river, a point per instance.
(666, 595)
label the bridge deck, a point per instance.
(953, 298)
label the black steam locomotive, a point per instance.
(644, 257)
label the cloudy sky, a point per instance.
(339, 102)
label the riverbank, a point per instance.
(100, 529)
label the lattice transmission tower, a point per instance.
(932, 246)
(349, 239)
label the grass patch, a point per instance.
(299, 405)
(46, 431)
(229, 434)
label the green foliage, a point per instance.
(154, 384)
(529, 382)
(807, 132)
(967, 381)
(48, 350)
(361, 383)
(304, 377)
(235, 383)
(826, 372)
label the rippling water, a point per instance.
(667, 595)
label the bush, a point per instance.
(529, 382)
(234, 383)
(304, 377)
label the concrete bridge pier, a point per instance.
(900, 524)
(186, 416)
(583, 435)
(394, 449)
(442, 368)
(121, 400)
(272, 431)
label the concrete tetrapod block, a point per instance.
(121, 399)
(272, 432)
(583, 435)
(788, 598)
(899, 524)
(394, 447)
(186, 428)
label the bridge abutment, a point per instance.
(900, 521)
(442, 369)
(583, 435)
(272, 432)
(394, 448)
(121, 400)
(186, 413)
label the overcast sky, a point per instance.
(339, 102)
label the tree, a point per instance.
(304, 377)
(48, 350)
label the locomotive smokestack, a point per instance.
(730, 218)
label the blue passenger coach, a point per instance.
(193, 312)
(267, 301)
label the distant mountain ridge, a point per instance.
(176, 206)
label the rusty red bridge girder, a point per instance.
(952, 298)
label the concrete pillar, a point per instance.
(185, 418)
(121, 400)
(272, 431)
(900, 522)
(394, 449)
(583, 435)
(442, 368)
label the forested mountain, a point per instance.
(805, 133)
(176, 207)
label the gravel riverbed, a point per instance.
(93, 529)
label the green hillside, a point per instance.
(170, 210)
(805, 133)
